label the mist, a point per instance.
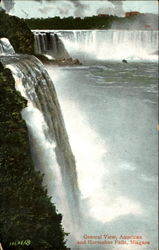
(139, 22)
(76, 8)
(69, 8)
(7, 5)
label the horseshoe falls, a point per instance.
(103, 44)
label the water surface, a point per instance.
(110, 112)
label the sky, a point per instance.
(50, 8)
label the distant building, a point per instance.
(132, 13)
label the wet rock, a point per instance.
(59, 62)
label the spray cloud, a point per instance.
(116, 9)
(8, 4)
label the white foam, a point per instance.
(94, 170)
(111, 45)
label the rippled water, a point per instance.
(110, 111)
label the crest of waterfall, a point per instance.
(50, 146)
(5, 47)
(50, 44)
(109, 44)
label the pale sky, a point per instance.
(30, 8)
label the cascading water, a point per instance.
(52, 154)
(112, 44)
(50, 44)
(5, 47)
(108, 44)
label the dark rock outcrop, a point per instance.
(124, 61)
(60, 62)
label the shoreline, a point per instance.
(59, 62)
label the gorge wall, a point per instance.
(27, 215)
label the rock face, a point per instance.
(60, 62)
(124, 61)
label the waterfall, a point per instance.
(5, 47)
(50, 146)
(50, 44)
(109, 44)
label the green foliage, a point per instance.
(26, 212)
(18, 33)
(94, 22)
